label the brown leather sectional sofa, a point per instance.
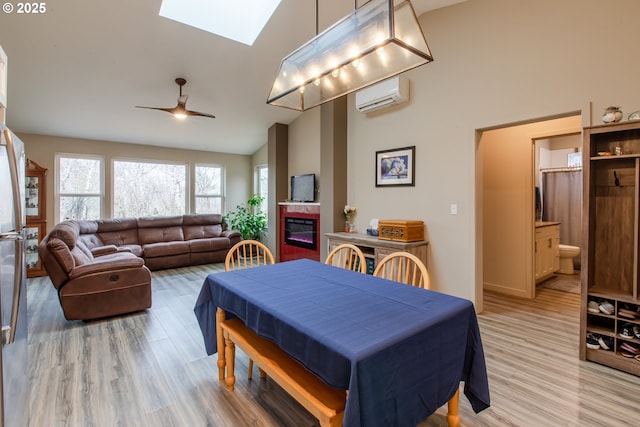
(101, 268)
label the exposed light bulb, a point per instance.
(301, 89)
(380, 50)
(356, 62)
(335, 72)
(180, 116)
(316, 82)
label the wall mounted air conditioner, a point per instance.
(393, 91)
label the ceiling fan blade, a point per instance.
(168, 110)
(180, 110)
(196, 113)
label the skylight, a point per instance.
(239, 20)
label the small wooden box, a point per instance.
(400, 230)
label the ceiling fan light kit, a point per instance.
(180, 111)
(378, 40)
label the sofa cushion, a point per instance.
(87, 226)
(161, 221)
(202, 219)
(161, 249)
(160, 235)
(162, 229)
(80, 257)
(209, 245)
(134, 249)
(80, 246)
(119, 231)
(62, 254)
(116, 224)
(67, 232)
(90, 240)
(202, 231)
(111, 264)
(119, 237)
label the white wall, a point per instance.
(304, 145)
(493, 66)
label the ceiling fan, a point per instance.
(180, 111)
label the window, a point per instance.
(79, 187)
(209, 189)
(262, 187)
(148, 189)
(224, 18)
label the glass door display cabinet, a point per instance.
(35, 206)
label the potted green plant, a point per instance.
(248, 219)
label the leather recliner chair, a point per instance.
(101, 282)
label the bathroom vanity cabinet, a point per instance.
(610, 261)
(547, 249)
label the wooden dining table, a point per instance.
(400, 351)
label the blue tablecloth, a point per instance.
(401, 351)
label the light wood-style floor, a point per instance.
(151, 369)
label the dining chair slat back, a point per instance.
(347, 256)
(247, 254)
(405, 268)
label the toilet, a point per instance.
(567, 253)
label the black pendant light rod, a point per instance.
(355, 7)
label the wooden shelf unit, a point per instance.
(36, 211)
(610, 261)
(375, 249)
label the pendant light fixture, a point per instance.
(380, 39)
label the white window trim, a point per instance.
(56, 190)
(256, 185)
(223, 185)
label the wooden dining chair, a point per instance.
(405, 268)
(347, 256)
(247, 254)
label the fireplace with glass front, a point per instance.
(299, 231)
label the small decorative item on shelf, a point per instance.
(373, 227)
(634, 116)
(612, 115)
(348, 212)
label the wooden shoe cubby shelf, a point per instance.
(611, 238)
(611, 326)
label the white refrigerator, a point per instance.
(14, 387)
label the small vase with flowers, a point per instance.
(348, 212)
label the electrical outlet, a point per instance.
(454, 209)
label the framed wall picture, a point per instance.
(395, 167)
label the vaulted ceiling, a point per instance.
(78, 70)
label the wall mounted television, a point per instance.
(303, 188)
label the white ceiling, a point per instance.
(79, 69)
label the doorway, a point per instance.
(558, 186)
(506, 159)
